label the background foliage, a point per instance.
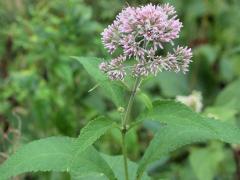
(45, 92)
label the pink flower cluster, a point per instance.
(140, 32)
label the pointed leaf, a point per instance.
(92, 131)
(182, 126)
(146, 100)
(54, 154)
(60, 154)
(91, 162)
(113, 90)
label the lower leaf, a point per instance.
(54, 154)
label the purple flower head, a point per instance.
(139, 32)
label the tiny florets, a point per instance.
(114, 68)
(139, 32)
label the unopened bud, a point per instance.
(121, 109)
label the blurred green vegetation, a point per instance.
(44, 92)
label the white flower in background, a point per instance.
(194, 100)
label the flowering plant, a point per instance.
(140, 33)
(137, 38)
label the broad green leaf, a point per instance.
(63, 154)
(91, 65)
(113, 90)
(54, 154)
(205, 161)
(92, 131)
(182, 126)
(222, 113)
(116, 163)
(230, 96)
(91, 162)
(45, 155)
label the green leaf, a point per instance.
(146, 100)
(61, 154)
(182, 126)
(45, 155)
(230, 96)
(205, 161)
(112, 89)
(116, 163)
(226, 114)
(91, 65)
(91, 132)
(54, 154)
(91, 162)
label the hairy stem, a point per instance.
(125, 124)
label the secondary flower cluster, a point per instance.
(140, 33)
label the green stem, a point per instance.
(124, 151)
(125, 124)
(130, 103)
